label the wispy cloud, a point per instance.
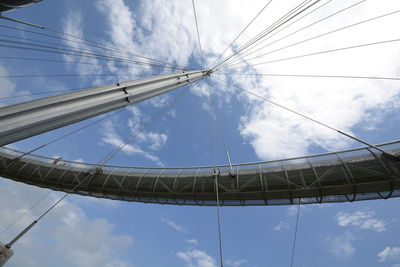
(111, 137)
(291, 212)
(235, 263)
(389, 253)
(73, 24)
(282, 225)
(174, 225)
(341, 246)
(196, 258)
(191, 241)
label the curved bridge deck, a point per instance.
(350, 175)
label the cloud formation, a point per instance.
(389, 254)
(364, 220)
(196, 258)
(71, 236)
(177, 227)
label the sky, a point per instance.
(84, 231)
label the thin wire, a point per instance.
(81, 53)
(198, 35)
(67, 75)
(221, 133)
(295, 233)
(389, 153)
(86, 41)
(55, 46)
(76, 62)
(280, 30)
(234, 40)
(115, 48)
(265, 33)
(72, 52)
(215, 174)
(26, 212)
(297, 31)
(320, 35)
(317, 53)
(314, 76)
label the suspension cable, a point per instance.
(75, 62)
(86, 41)
(68, 75)
(318, 53)
(245, 28)
(216, 172)
(250, 50)
(81, 52)
(72, 52)
(312, 76)
(26, 212)
(79, 55)
(295, 233)
(385, 152)
(198, 35)
(319, 36)
(296, 31)
(222, 134)
(273, 28)
(265, 32)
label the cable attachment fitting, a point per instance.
(216, 172)
(208, 73)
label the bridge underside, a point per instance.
(351, 175)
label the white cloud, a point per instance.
(86, 242)
(291, 213)
(196, 258)
(174, 225)
(362, 220)
(341, 246)
(158, 140)
(271, 131)
(160, 101)
(389, 254)
(192, 241)
(65, 237)
(282, 225)
(274, 132)
(111, 137)
(172, 113)
(73, 25)
(6, 85)
(235, 263)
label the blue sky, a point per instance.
(93, 232)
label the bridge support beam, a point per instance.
(31, 118)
